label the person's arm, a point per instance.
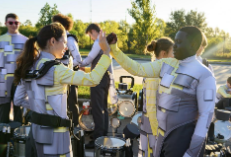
(92, 54)
(206, 92)
(74, 50)
(150, 69)
(68, 76)
(223, 93)
(20, 96)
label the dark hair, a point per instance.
(194, 35)
(91, 27)
(11, 15)
(162, 44)
(229, 80)
(66, 21)
(30, 53)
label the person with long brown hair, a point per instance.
(161, 48)
(47, 89)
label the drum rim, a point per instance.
(82, 125)
(134, 108)
(16, 135)
(110, 148)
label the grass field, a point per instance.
(84, 92)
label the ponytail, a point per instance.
(26, 59)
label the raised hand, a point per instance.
(103, 43)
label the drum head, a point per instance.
(222, 131)
(136, 119)
(126, 108)
(86, 122)
(22, 131)
(115, 122)
(110, 142)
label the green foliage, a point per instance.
(84, 92)
(145, 28)
(179, 19)
(46, 14)
(27, 23)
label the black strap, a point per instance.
(36, 74)
(205, 62)
(50, 120)
(74, 36)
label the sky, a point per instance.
(217, 13)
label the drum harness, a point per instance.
(45, 119)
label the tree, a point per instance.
(27, 23)
(145, 28)
(46, 14)
(0, 24)
(179, 19)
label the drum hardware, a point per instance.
(140, 101)
(127, 99)
(78, 146)
(112, 108)
(86, 122)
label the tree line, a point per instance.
(133, 38)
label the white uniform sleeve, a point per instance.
(20, 96)
(206, 92)
(74, 49)
(92, 54)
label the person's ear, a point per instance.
(52, 41)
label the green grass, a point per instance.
(84, 92)
(84, 52)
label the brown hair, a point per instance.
(91, 27)
(229, 80)
(162, 44)
(30, 53)
(11, 15)
(66, 21)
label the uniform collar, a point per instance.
(47, 55)
(189, 59)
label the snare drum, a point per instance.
(20, 138)
(86, 122)
(78, 146)
(109, 146)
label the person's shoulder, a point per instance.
(170, 61)
(23, 36)
(4, 36)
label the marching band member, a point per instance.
(11, 45)
(185, 96)
(46, 93)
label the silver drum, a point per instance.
(109, 146)
(20, 137)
